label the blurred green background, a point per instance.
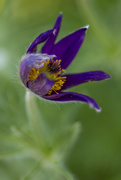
(96, 155)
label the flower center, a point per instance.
(52, 70)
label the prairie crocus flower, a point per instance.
(42, 72)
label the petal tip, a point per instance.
(95, 106)
(83, 29)
(87, 26)
(60, 16)
(101, 75)
(61, 13)
(98, 110)
(106, 76)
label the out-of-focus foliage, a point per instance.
(97, 153)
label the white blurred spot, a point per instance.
(3, 58)
(54, 32)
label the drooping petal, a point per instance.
(76, 79)
(67, 48)
(41, 38)
(50, 42)
(41, 85)
(71, 96)
(29, 61)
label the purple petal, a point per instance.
(71, 96)
(67, 48)
(29, 61)
(49, 43)
(41, 85)
(76, 79)
(41, 38)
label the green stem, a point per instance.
(37, 124)
(32, 112)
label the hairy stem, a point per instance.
(37, 123)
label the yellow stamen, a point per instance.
(49, 71)
(58, 84)
(33, 74)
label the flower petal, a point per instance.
(67, 48)
(29, 61)
(76, 79)
(41, 85)
(49, 43)
(71, 96)
(41, 38)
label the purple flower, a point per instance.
(42, 72)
